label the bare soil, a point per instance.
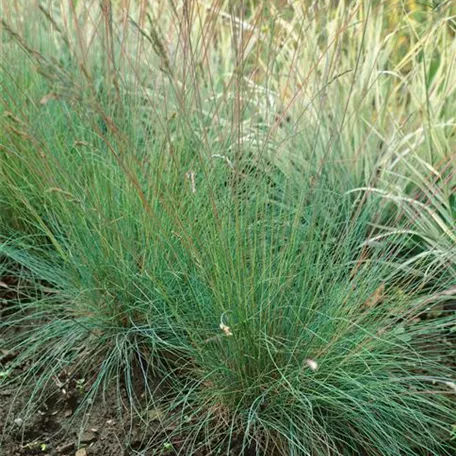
(55, 423)
(53, 430)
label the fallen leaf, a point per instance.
(376, 297)
(155, 414)
(48, 97)
(65, 447)
(81, 452)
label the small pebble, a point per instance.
(88, 437)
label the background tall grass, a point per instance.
(250, 202)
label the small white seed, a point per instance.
(226, 329)
(312, 365)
